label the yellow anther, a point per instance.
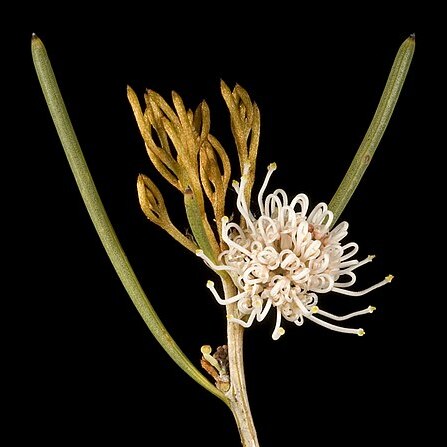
(371, 309)
(206, 352)
(272, 167)
(314, 309)
(360, 332)
(205, 349)
(389, 278)
(210, 284)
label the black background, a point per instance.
(85, 366)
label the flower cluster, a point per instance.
(285, 258)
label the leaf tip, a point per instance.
(35, 40)
(129, 91)
(410, 41)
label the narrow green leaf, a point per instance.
(196, 223)
(376, 129)
(100, 219)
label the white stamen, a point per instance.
(345, 330)
(278, 331)
(270, 169)
(265, 311)
(230, 300)
(243, 323)
(351, 253)
(242, 204)
(283, 259)
(347, 283)
(368, 310)
(367, 260)
(229, 241)
(363, 292)
(200, 254)
(303, 201)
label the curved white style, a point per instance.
(284, 258)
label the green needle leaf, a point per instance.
(100, 219)
(376, 129)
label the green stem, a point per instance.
(100, 219)
(376, 129)
(195, 220)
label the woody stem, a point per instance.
(237, 394)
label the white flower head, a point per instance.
(283, 259)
